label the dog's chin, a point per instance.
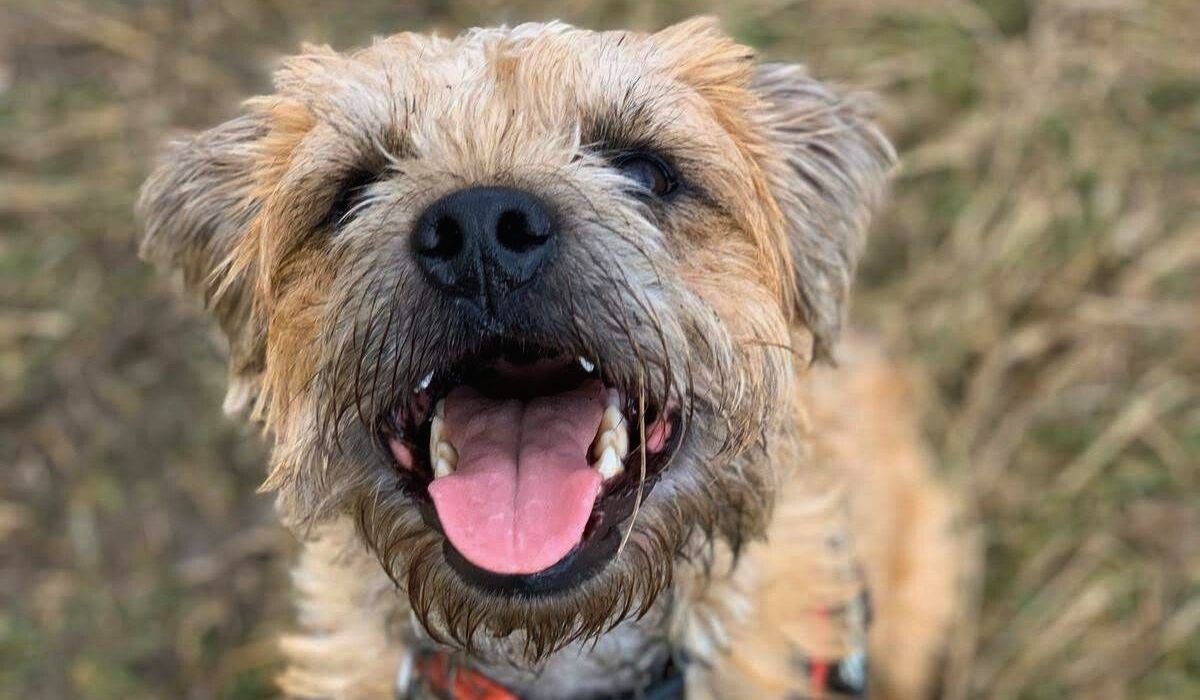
(529, 461)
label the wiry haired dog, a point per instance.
(535, 318)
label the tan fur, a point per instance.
(796, 486)
(346, 607)
(901, 514)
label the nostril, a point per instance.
(483, 242)
(447, 239)
(513, 231)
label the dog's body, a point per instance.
(409, 247)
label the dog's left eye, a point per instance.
(350, 194)
(648, 172)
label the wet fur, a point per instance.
(718, 300)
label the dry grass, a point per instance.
(1040, 261)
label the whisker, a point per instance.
(637, 501)
(363, 355)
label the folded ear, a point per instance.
(832, 168)
(196, 205)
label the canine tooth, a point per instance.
(613, 399)
(620, 439)
(617, 439)
(425, 382)
(609, 465)
(439, 409)
(586, 364)
(446, 451)
(442, 468)
(435, 435)
(612, 418)
(598, 445)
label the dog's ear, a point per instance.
(196, 205)
(830, 174)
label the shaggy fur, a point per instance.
(790, 481)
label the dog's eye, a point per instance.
(350, 195)
(648, 172)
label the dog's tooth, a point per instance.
(598, 445)
(609, 420)
(439, 409)
(612, 418)
(617, 439)
(613, 399)
(609, 465)
(446, 451)
(425, 382)
(620, 439)
(442, 468)
(587, 365)
(435, 435)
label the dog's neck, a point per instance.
(678, 634)
(627, 659)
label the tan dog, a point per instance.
(529, 316)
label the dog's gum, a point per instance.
(402, 453)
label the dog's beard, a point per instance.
(457, 613)
(715, 491)
(705, 503)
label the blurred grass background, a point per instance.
(1039, 262)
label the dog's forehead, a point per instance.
(543, 78)
(531, 66)
(523, 54)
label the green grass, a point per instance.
(1038, 264)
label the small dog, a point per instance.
(535, 319)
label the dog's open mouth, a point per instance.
(530, 459)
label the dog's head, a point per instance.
(526, 303)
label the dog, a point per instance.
(541, 324)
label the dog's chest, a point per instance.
(628, 659)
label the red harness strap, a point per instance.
(435, 675)
(818, 677)
(845, 677)
(448, 682)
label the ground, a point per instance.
(1038, 264)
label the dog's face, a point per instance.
(526, 303)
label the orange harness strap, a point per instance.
(443, 680)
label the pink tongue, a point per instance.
(523, 490)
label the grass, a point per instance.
(1038, 263)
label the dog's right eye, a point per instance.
(650, 172)
(350, 195)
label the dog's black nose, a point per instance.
(484, 242)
